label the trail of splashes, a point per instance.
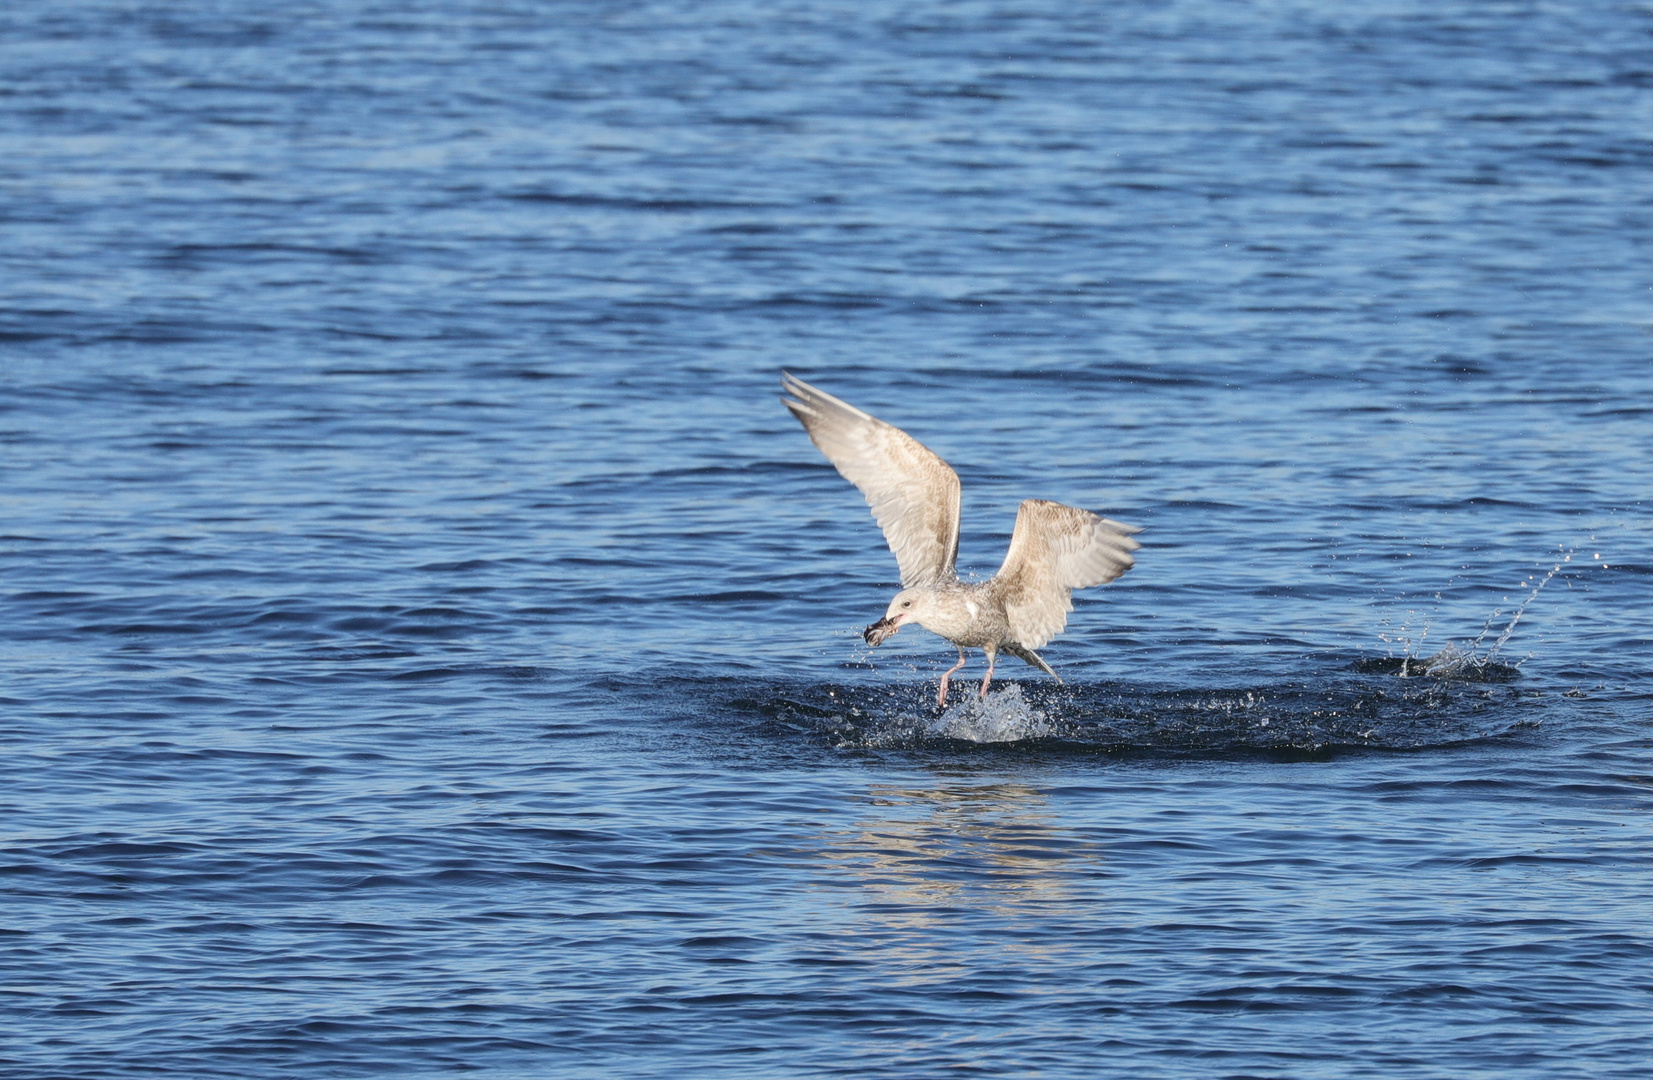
(1314, 714)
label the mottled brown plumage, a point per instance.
(914, 495)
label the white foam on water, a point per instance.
(1003, 716)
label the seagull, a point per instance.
(914, 496)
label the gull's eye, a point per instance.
(906, 603)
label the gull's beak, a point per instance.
(878, 631)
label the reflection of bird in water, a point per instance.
(914, 496)
(917, 852)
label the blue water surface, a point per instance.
(429, 647)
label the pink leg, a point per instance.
(992, 655)
(941, 698)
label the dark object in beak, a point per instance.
(878, 631)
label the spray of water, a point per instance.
(1003, 716)
(1469, 661)
(1521, 609)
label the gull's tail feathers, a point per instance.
(1030, 657)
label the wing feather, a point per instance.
(1054, 550)
(914, 495)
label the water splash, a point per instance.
(1520, 610)
(1465, 662)
(1452, 661)
(1003, 716)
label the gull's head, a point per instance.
(907, 606)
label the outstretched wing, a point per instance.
(1054, 550)
(914, 494)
